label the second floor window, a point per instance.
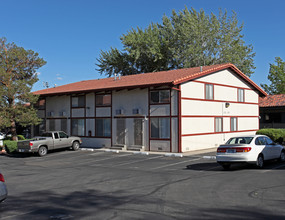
(78, 101)
(103, 100)
(209, 91)
(240, 95)
(160, 96)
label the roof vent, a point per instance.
(201, 68)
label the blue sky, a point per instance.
(69, 34)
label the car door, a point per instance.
(65, 141)
(264, 148)
(57, 142)
(274, 148)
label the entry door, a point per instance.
(121, 131)
(138, 131)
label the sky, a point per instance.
(69, 34)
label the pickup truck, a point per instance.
(48, 141)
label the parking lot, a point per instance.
(107, 185)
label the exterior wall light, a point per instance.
(227, 104)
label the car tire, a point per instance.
(42, 151)
(75, 146)
(282, 156)
(226, 166)
(260, 161)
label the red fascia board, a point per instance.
(228, 65)
(107, 89)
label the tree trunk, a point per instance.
(13, 131)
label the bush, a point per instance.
(277, 135)
(21, 137)
(10, 146)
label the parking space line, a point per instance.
(173, 164)
(109, 158)
(122, 164)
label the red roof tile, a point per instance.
(272, 101)
(171, 77)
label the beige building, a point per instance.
(170, 111)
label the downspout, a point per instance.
(179, 121)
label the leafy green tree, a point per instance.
(277, 77)
(186, 39)
(17, 76)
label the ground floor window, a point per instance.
(39, 129)
(103, 127)
(218, 124)
(234, 124)
(160, 128)
(78, 127)
(51, 124)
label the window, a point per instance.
(78, 127)
(63, 124)
(260, 141)
(56, 136)
(233, 124)
(78, 101)
(103, 100)
(240, 95)
(41, 104)
(209, 91)
(103, 127)
(63, 135)
(160, 96)
(160, 128)
(51, 124)
(218, 124)
(240, 140)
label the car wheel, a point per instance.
(75, 146)
(282, 156)
(226, 166)
(260, 161)
(42, 151)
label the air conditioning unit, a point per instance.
(63, 114)
(119, 111)
(50, 114)
(137, 111)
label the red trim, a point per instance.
(210, 133)
(179, 120)
(216, 116)
(224, 85)
(209, 100)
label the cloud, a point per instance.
(59, 78)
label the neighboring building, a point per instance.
(171, 111)
(272, 111)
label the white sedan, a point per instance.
(253, 149)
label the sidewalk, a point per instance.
(184, 154)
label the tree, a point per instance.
(186, 39)
(17, 76)
(277, 77)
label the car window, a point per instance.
(260, 141)
(62, 135)
(268, 141)
(240, 140)
(56, 136)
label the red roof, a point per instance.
(272, 101)
(171, 77)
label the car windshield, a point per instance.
(240, 140)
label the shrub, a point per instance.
(10, 146)
(277, 135)
(21, 138)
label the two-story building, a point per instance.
(170, 111)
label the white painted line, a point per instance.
(113, 151)
(109, 158)
(173, 155)
(87, 149)
(142, 153)
(209, 157)
(127, 163)
(173, 164)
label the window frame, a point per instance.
(222, 126)
(160, 97)
(209, 96)
(241, 98)
(161, 134)
(104, 135)
(97, 104)
(79, 103)
(77, 133)
(232, 124)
